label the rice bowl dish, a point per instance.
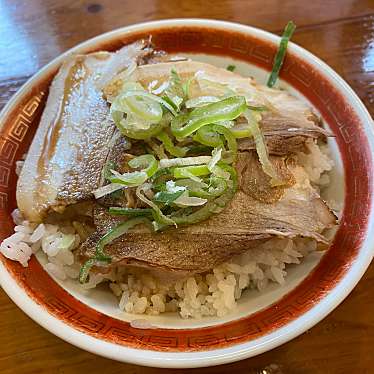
(210, 294)
(90, 318)
(63, 223)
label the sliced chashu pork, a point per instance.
(285, 134)
(75, 133)
(69, 149)
(286, 125)
(257, 212)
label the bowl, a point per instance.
(262, 321)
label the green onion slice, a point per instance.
(262, 152)
(158, 216)
(281, 53)
(226, 109)
(200, 101)
(230, 139)
(170, 147)
(186, 86)
(187, 171)
(136, 178)
(241, 130)
(110, 236)
(167, 198)
(184, 161)
(212, 207)
(187, 201)
(207, 136)
(128, 179)
(130, 212)
(146, 97)
(175, 92)
(147, 162)
(134, 127)
(217, 186)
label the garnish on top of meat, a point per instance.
(186, 164)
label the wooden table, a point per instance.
(341, 32)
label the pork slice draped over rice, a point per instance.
(257, 212)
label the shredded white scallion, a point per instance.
(186, 161)
(107, 189)
(216, 156)
(163, 86)
(172, 188)
(200, 101)
(185, 200)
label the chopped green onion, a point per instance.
(261, 148)
(197, 216)
(207, 136)
(116, 232)
(130, 212)
(213, 206)
(208, 210)
(185, 161)
(200, 101)
(155, 149)
(170, 147)
(106, 173)
(183, 190)
(159, 217)
(128, 179)
(162, 172)
(186, 86)
(230, 138)
(198, 149)
(144, 113)
(231, 67)
(226, 109)
(143, 107)
(219, 172)
(175, 92)
(217, 187)
(227, 124)
(260, 108)
(170, 102)
(241, 131)
(86, 267)
(107, 189)
(281, 53)
(167, 197)
(145, 95)
(147, 162)
(109, 237)
(135, 128)
(186, 201)
(136, 178)
(187, 171)
(216, 156)
(233, 173)
(172, 187)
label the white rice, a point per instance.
(140, 291)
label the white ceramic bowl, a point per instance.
(263, 320)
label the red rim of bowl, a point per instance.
(20, 122)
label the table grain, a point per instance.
(340, 32)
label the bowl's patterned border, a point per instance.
(19, 127)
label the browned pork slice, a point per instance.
(71, 145)
(286, 124)
(257, 212)
(285, 134)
